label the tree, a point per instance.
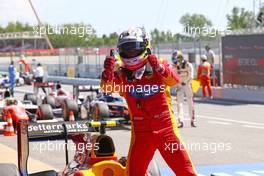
(240, 18)
(262, 9)
(195, 20)
(195, 24)
(2, 30)
(70, 35)
(155, 35)
(17, 27)
(112, 39)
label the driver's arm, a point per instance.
(165, 71)
(110, 78)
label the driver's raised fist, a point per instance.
(109, 63)
(108, 73)
(154, 62)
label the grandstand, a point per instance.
(21, 41)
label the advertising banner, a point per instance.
(243, 59)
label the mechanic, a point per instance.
(185, 71)
(25, 63)
(12, 77)
(39, 74)
(203, 74)
(61, 91)
(153, 122)
(211, 59)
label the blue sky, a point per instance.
(115, 15)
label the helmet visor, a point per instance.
(131, 49)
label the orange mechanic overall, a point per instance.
(204, 71)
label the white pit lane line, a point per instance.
(224, 121)
(251, 126)
(246, 174)
(259, 172)
(221, 174)
(231, 120)
(219, 122)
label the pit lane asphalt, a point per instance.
(227, 133)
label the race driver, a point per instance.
(185, 71)
(153, 122)
(203, 74)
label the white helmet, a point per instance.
(203, 57)
(22, 56)
(133, 45)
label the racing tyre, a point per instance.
(50, 100)
(67, 106)
(31, 97)
(98, 113)
(45, 173)
(8, 170)
(102, 111)
(153, 168)
(27, 80)
(45, 112)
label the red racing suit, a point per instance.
(204, 71)
(153, 121)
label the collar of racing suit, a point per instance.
(146, 70)
(139, 73)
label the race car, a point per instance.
(4, 81)
(23, 110)
(100, 159)
(61, 104)
(107, 107)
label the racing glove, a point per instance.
(108, 73)
(157, 66)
